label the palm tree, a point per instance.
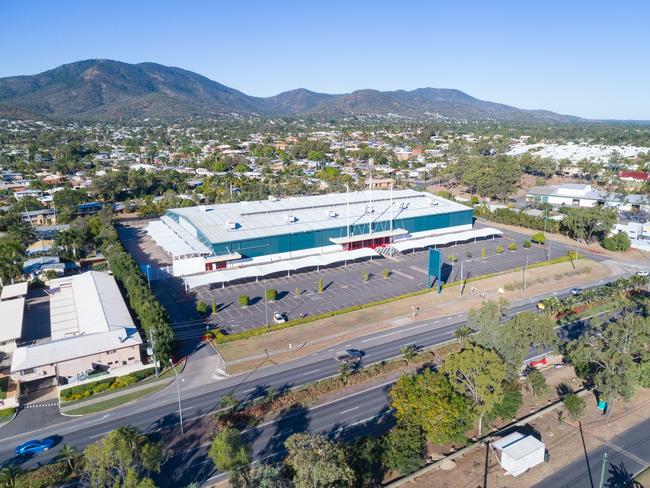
(9, 476)
(67, 454)
(344, 372)
(409, 352)
(462, 333)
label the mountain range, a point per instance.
(101, 89)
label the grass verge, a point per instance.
(4, 386)
(114, 402)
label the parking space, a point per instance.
(344, 286)
(362, 282)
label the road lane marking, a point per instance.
(310, 372)
(99, 435)
(349, 410)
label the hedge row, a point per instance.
(221, 338)
(88, 389)
(151, 314)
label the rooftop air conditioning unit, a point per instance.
(369, 209)
(273, 198)
(291, 218)
(332, 214)
(230, 225)
(404, 205)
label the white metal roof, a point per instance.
(518, 445)
(87, 303)
(233, 274)
(266, 218)
(168, 239)
(79, 346)
(442, 239)
(14, 291)
(11, 325)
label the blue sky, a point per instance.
(587, 58)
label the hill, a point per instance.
(100, 89)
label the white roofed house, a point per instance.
(92, 333)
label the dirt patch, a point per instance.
(288, 344)
(562, 439)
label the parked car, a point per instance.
(575, 291)
(34, 446)
(642, 273)
(279, 318)
(349, 356)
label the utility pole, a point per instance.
(523, 290)
(602, 471)
(178, 391)
(550, 248)
(461, 277)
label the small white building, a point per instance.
(575, 195)
(517, 452)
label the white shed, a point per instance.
(518, 452)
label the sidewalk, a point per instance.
(108, 397)
(290, 344)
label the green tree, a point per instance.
(575, 405)
(409, 352)
(365, 458)
(9, 476)
(201, 307)
(588, 223)
(428, 400)
(536, 381)
(510, 403)
(479, 374)
(266, 476)
(462, 333)
(123, 455)
(317, 462)
(271, 294)
(405, 447)
(243, 300)
(69, 455)
(320, 285)
(538, 238)
(618, 242)
(523, 332)
(230, 454)
(608, 355)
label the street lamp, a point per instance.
(148, 278)
(178, 391)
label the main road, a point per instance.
(160, 412)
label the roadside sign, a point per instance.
(435, 269)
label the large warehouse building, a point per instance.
(301, 231)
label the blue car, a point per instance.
(34, 447)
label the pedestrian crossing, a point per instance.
(41, 405)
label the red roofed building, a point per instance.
(634, 176)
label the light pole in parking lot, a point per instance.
(148, 278)
(266, 306)
(178, 391)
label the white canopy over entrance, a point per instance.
(233, 274)
(443, 239)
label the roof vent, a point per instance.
(291, 218)
(230, 225)
(404, 205)
(332, 214)
(202, 208)
(370, 209)
(273, 198)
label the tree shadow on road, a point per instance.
(289, 421)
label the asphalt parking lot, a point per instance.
(344, 286)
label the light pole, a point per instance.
(148, 278)
(178, 391)
(266, 306)
(523, 289)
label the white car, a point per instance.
(279, 318)
(642, 273)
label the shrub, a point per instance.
(297, 292)
(483, 252)
(536, 382)
(499, 249)
(510, 403)
(271, 294)
(575, 405)
(365, 276)
(468, 255)
(618, 242)
(539, 238)
(243, 300)
(320, 286)
(201, 307)
(527, 244)
(386, 273)
(474, 200)
(451, 258)
(214, 307)
(512, 247)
